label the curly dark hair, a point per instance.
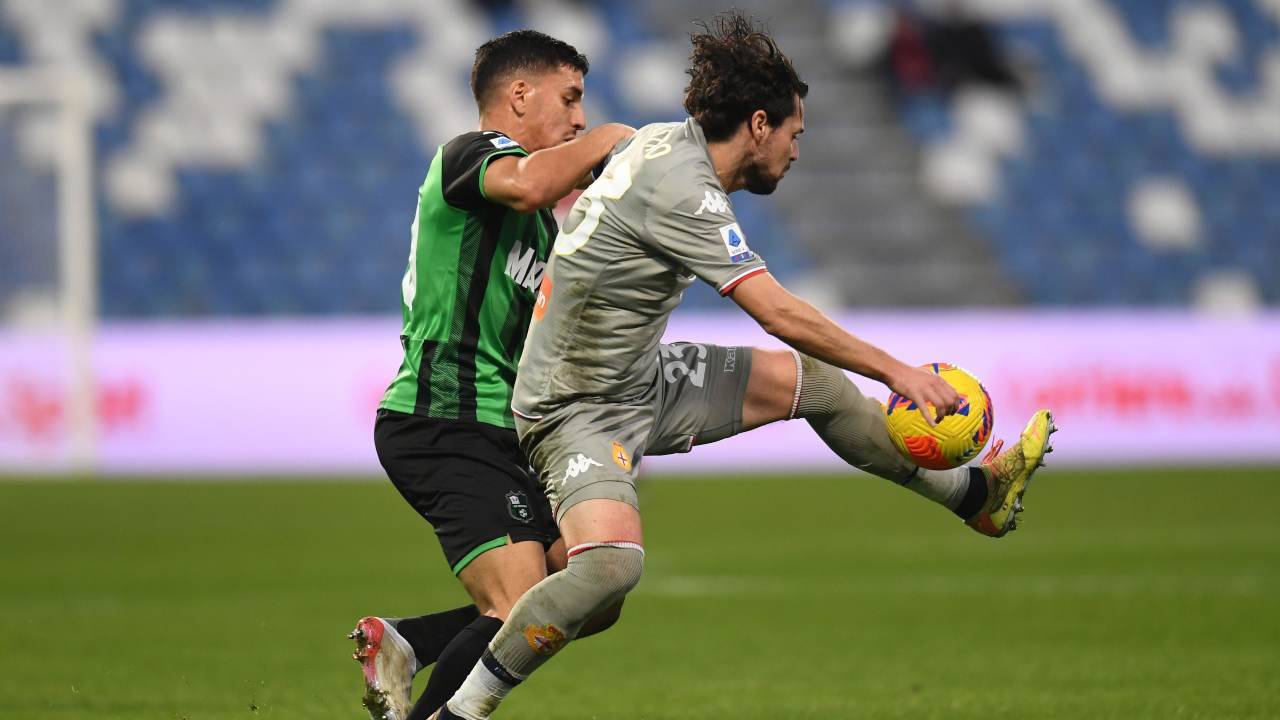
(520, 51)
(736, 69)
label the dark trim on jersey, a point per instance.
(516, 326)
(514, 329)
(422, 405)
(472, 247)
(478, 293)
(484, 168)
(470, 338)
(462, 171)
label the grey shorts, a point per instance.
(590, 450)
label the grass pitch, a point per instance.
(1152, 594)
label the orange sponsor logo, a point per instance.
(544, 297)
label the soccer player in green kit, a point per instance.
(479, 244)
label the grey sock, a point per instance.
(945, 487)
(851, 424)
(545, 619)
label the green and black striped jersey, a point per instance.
(468, 292)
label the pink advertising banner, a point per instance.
(298, 396)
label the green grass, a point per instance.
(1152, 594)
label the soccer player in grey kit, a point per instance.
(596, 391)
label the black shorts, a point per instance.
(469, 480)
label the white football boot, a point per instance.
(389, 665)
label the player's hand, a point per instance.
(934, 396)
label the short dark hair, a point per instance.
(736, 69)
(520, 51)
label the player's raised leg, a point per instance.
(785, 384)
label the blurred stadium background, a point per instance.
(205, 208)
(204, 212)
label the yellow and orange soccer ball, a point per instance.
(954, 441)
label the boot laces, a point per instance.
(993, 452)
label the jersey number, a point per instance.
(612, 185)
(674, 367)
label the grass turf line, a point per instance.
(1136, 594)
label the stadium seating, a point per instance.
(1138, 180)
(263, 156)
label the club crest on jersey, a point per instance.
(714, 202)
(620, 457)
(502, 142)
(518, 505)
(735, 243)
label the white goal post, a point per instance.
(66, 93)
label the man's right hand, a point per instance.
(613, 133)
(800, 325)
(926, 390)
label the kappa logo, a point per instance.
(714, 202)
(735, 243)
(577, 466)
(503, 142)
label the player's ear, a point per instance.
(758, 124)
(518, 95)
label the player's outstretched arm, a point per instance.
(805, 328)
(540, 179)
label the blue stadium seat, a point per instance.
(319, 221)
(1063, 208)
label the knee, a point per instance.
(824, 388)
(611, 571)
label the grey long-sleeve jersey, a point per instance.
(654, 220)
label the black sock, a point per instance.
(431, 634)
(975, 496)
(455, 664)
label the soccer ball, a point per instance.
(954, 441)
